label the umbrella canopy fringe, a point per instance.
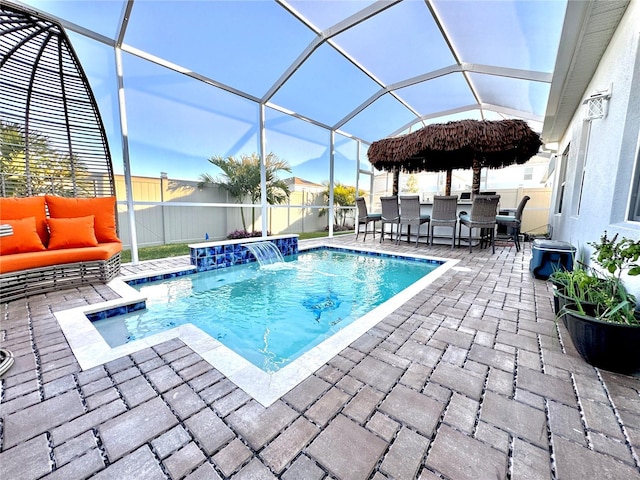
(455, 145)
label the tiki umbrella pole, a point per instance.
(447, 187)
(396, 180)
(475, 182)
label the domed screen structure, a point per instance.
(52, 137)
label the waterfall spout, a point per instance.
(266, 253)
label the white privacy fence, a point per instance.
(175, 222)
(179, 211)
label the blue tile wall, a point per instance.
(222, 256)
(379, 254)
(113, 312)
(155, 278)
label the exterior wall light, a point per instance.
(597, 104)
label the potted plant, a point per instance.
(581, 287)
(598, 311)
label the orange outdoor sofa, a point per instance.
(56, 243)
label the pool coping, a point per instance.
(91, 350)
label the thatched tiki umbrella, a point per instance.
(462, 144)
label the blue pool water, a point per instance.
(270, 315)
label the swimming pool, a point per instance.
(91, 350)
(271, 315)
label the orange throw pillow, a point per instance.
(14, 208)
(25, 237)
(102, 208)
(71, 232)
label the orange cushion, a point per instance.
(25, 238)
(18, 208)
(102, 208)
(71, 232)
(26, 261)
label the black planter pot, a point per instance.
(556, 300)
(558, 289)
(610, 346)
(560, 300)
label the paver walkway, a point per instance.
(468, 380)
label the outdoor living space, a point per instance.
(472, 378)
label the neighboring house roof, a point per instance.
(301, 182)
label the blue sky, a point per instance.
(176, 121)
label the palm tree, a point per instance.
(241, 179)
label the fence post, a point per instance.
(163, 184)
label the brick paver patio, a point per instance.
(468, 380)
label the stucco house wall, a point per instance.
(603, 153)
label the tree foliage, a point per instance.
(47, 170)
(412, 184)
(241, 179)
(343, 196)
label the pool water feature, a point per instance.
(266, 253)
(271, 315)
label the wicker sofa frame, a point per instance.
(47, 105)
(35, 281)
